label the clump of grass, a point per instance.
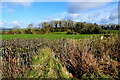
(45, 65)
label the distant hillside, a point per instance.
(4, 29)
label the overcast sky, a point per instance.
(24, 12)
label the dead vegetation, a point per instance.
(87, 58)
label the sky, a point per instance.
(24, 12)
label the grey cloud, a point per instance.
(104, 21)
(114, 15)
(93, 15)
(76, 7)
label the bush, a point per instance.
(17, 31)
(91, 29)
(11, 32)
(28, 31)
(71, 32)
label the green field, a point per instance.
(112, 31)
(51, 36)
(54, 35)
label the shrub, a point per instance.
(91, 29)
(28, 31)
(18, 31)
(11, 32)
(71, 32)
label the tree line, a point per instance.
(68, 26)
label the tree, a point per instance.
(16, 27)
(108, 27)
(112, 26)
(79, 26)
(70, 23)
(117, 27)
(64, 22)
(45, 27)
(56, 24)
(39, 25)
(30, 26)
(102, 26)
(60, 24)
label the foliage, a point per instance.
(91, 29)
(71, 32)
(28, 31)
(61, 26)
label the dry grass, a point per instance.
(98, 56)
(83, 58)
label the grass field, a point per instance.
(51, 36)
(54, 35)
(112, 31)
